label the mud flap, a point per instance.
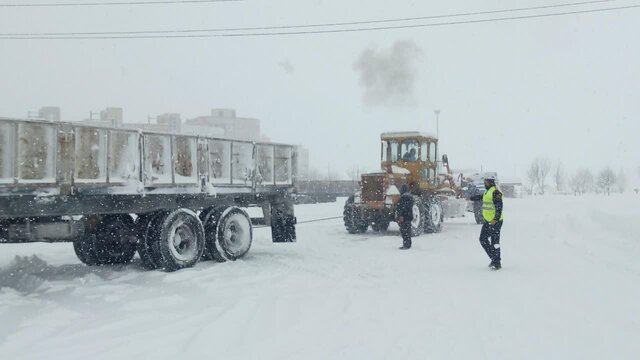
(283, 222)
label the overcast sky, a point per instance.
(565, 87)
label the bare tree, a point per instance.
(538, 172)
(621, 181)
(559, 175)
(581, 182)
(544, 167)
(606, 179)
(532, 175)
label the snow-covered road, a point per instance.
(569, 289)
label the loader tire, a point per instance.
(435, 215)
(419, 216)
(352, 216)
(380, 225)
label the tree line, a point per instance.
(582, 181)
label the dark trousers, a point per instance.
(490, 240)
(405, 231)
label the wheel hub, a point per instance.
(236, 234)
(436, 214)
(415, 222)
(183, 241)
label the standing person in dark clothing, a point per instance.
(493, 218)
(404, 213)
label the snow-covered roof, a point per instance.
(406, 134)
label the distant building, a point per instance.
(51, 113)
(112, 116)
(171, 121)
(224, 122)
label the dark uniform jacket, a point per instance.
(404, 207)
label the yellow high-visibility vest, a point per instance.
(488, 207)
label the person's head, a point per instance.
(412, 151)
(489, 181)
(404, 188)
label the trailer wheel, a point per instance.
(110, 241)
(419, 217)
(179, 240)
(115, 240)
(435, 216)
(352, 216)
(210, 219)
(147, 227)
(85, 251)
(233, 235)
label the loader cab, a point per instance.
(411, 153)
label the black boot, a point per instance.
(495, 265)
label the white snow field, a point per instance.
(569, 289)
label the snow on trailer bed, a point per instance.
(568, 290)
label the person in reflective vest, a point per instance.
(493, 218)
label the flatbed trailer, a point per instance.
(172, 198)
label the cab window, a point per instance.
(394, 150)
(432, 152)
(384, 155)
(409, 150)
(424, 151)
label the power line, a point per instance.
(120, 3)
(263, 28)
(522, 17)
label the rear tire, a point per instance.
(210, 219)
(85, 251)
(179, 240)
(147, 226)
(111, 241)
(233, 235)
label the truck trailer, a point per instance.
(172, 198)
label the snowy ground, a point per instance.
(569, 289)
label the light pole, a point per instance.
(437, 112)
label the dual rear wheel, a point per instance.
(167, 240)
